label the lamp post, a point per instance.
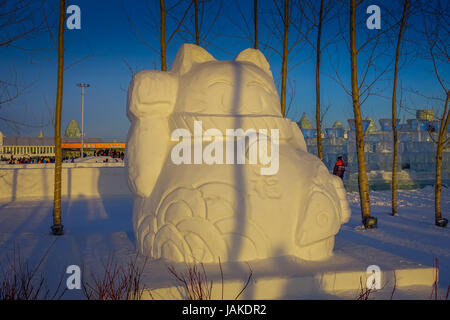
(82, 86)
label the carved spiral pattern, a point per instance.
(198, 224)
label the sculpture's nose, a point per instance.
(320, 221)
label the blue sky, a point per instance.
(107, 39)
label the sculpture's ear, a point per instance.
(187, 56)
(256, 57)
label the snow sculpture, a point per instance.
(199, 210)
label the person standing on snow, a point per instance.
(339, 168)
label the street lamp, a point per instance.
(82, 86)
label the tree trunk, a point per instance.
(438, 185)
(318, 54)
(255, 21)
(197, 34)
(394, 110)
(440, 148)
(395, 154)
(285, 56)
(57, 227)
(363, 181)
(163, 35)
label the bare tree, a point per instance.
(279, 34)
(202, 14)
(10, 90)
(403, 25)
(255, 23)
(357, 90)
(197, 31)
(57, 227)
(317, 14)
(162, 28)
(363, 181)
(290, 42)
(245, 31)
(19, 20)
(162, 35)
(436, 22)
(318, 54)
(364, 76)
(178, 14)
(284, 57)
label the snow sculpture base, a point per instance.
(198, 211)
(289, 278)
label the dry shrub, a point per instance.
(19, 281)
(365, 292)
(194, 281)
(118, 282)
(435, 290)
(196, 284)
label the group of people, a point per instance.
(111, 153)
(338, 170)
(30, 160)
(116, 155)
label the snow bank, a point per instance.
(22, 182)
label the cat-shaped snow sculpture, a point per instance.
(200, 210)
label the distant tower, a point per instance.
(425, 114)
(72, 130)
(304, 123)
(306, 127)
(372, 126)
(338, 125)
(41, 134)
(337, 130)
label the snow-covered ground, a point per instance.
(99, 227)
(412, 234)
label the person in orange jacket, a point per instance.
(339, 168)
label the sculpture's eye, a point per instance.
(220, 82)
(258, 85)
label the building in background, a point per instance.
(26, 147)
(72, 130)
(306, 127)
(417, 150)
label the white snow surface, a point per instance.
(97, 228)
(412, 234)
(84, 179)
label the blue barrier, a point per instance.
(386, 124)
(335, 132)
(309, 133)
(365, 124)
